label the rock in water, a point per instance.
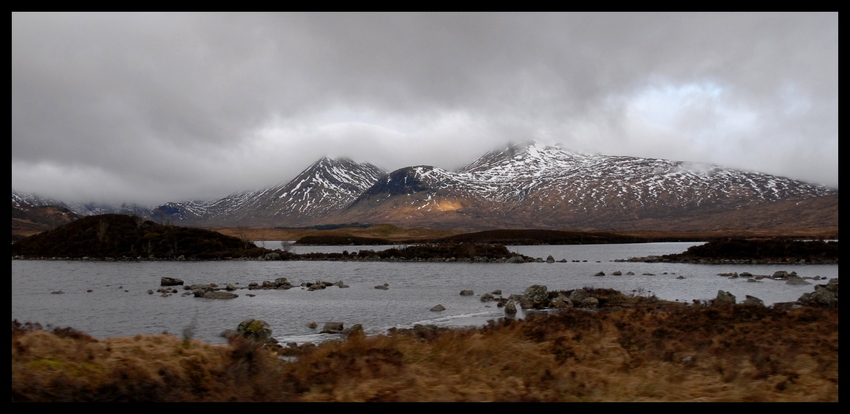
(535, 296)
(170, 281)
(255, 329)
(332, 327)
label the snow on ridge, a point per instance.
(513, 175)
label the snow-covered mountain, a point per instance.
(531, 185)
(326, 186)
(524, 185)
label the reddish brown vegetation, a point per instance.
(636, 349)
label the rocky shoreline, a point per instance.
(536, 298)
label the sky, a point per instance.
(148, 108)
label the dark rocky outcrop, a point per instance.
(333, 327)
(752, 301)
(824, 295)
(219, 295)
(762, 251)
(724, 298)
(535, 297)
(170, 281)
(256, 330)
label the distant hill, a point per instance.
(31, 216)
(120, 236)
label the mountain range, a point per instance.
(525, 185)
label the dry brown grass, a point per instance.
(650, 352)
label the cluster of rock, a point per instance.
(538, 297)
(824, 295)
(790, 278)
(534, 297)
(214, 291)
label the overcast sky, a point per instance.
(154, 107)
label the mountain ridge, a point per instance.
(525, 185)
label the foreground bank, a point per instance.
(626, 348)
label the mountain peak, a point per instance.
(531, 153)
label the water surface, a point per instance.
(119, 305)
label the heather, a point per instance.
(630, 349)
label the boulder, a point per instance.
(510, 307)
(535, 296)
(599, 274)
(781, 274)
(724, 297)
(578, 295)
(561, 302)
(357, 329)
(753, 301)
(487, 297)
(254, 329)
(219, 295)
(589, 302)
(200, 290)
(170, 281)
(438, 308)
(332, 327)
(466, 292)
(796, 280)
(824, 295)
(550, 259)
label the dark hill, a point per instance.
(760, 251)
(123, 236)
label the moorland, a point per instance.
(628, 348)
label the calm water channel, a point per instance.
(119, 305)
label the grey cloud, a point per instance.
(184, 105)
